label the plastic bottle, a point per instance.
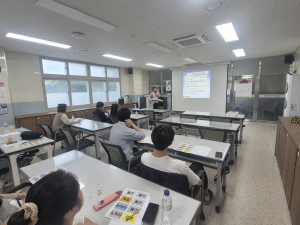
(136, 113)
(134, 106)
(21, 130)
(166, 205)
(6, 129)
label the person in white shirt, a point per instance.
(162, 137)
(155, 95)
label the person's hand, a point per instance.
(129, 122)
(22, 196)
(79, 120)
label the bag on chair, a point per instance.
(28, 135)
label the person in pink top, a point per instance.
(155, 95)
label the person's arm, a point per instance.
(158, 95)
(151, 96)
(21, 196)
(130, 123)
(66, 120)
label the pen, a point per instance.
(132, 215)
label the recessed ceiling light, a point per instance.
(82, 49)
(155, 65)
(116, 57)
(74, 14)
(239, 52)
(77, 35)
(158, 47)
(213, 6)
(36, 40)
(227, 31)
(190, 60)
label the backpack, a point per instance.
(28, 135)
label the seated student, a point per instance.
(114, 110)
(55, 199)
(121, 134)
(6, 208)
(99, 112)
(162, 137)
(61, 119)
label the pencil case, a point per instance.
(115, 196)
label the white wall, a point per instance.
(217, 100)
(297, 60)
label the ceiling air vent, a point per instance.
(191, 40)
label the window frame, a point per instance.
(69, 77)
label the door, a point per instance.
(243, 95)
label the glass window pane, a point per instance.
(56, 92)
(80, 92)
(54, 67)
(113, 91)
(113, 72)
(99, 91)
(77, 69)
(97, 71)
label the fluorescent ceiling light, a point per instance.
(227, 31)
(36, 40)
(190, 60)
(74, 14)
(116, 57)
(158, 47)
(239, 52)
(151, 64)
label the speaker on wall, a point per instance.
(130, 70)
(288, 59)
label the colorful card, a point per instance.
(130, 202)
(193, 149)
(35, 179)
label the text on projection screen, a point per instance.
(196, 84)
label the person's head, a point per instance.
(124, 114)
(62, 108)
(155, 89)
(99, 105)
(114, 108)
(58, 198)
(162, 137)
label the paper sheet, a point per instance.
(193, 149)
(146, 140)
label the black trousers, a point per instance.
(155, 106)
(195, 167)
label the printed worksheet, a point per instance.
(193, 149)
(130, 202)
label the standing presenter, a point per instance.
(155, 95)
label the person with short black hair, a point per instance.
(162, 137)
(121, 134)
(114, 110)
(155, 95)
(99, 112)
(54, 199)
(61, 119)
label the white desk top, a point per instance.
(18, 148)
(202, 123)
(214, 145)
(155, 110)
(214, 114)
(91, 125)
(138, 116)
(98, 175)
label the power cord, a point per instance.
(225, 170)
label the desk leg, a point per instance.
(235, 142)
(163, 115)
(231, 161)
(49, 151)
(14, 170)
(219, 169)
(241, 130)
(224, 178)
(147, 122)
(97, 145)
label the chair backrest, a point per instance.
(151, 114)
(116, 155)
(224, 120)
(114, 119)
(194, 117)
(47, 130)
(176, 182)
(97, 118)
(213, 135)
(157, 124)
(70, 138)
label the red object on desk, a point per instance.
(107, 200)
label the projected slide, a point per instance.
(196, 84)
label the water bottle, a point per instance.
(166, 204)
(6, 129)
(21, 130)
(134, 106)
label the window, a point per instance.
(99, 91)
(79, 84)
(54, 67)
(56, 92)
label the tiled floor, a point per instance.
(254, 193)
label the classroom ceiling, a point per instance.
(264, 27)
